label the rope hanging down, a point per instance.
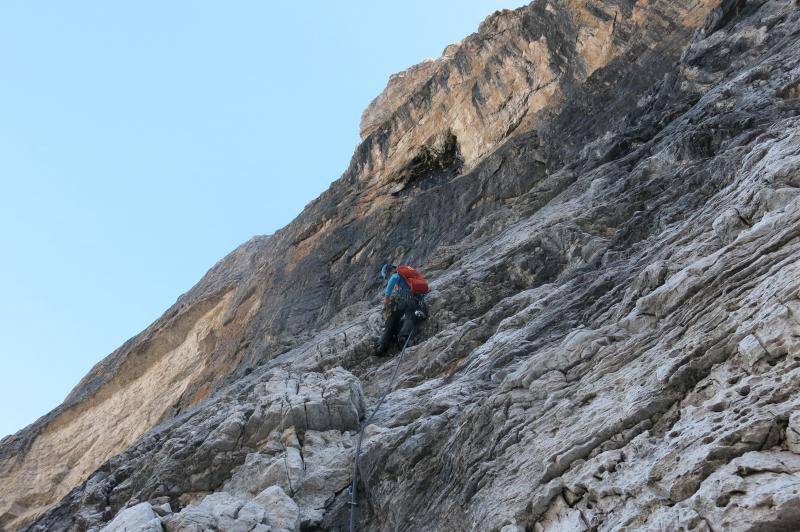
(353, 485)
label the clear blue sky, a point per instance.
(140, 142)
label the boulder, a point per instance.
(137, 518)
(219, 511)
(284, 515)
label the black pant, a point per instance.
(401, 321)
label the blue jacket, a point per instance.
(396, 280)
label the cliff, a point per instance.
(604, 197)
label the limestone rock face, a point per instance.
(274, 512)
(605, 198)
(757, 490)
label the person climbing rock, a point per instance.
(403, 304)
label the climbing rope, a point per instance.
(353, 485)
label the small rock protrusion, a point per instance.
(750, 350)
(719, 406)
(793, 432)
(728, 225)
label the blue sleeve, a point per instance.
(391, 284)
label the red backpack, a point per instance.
(414, 279)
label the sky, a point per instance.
(140, 142)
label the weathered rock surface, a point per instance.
(271, 511)
(605, 199)
(137, 518)
(756, 491)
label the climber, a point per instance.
(403, 304)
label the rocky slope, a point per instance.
(605, 198)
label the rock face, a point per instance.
(604, 197)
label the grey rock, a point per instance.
(137, 518)
(793, 432)
(271, 510)
(284, 515)
(163, 509)
(308, 401)
(219, 511)
(757, 490)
